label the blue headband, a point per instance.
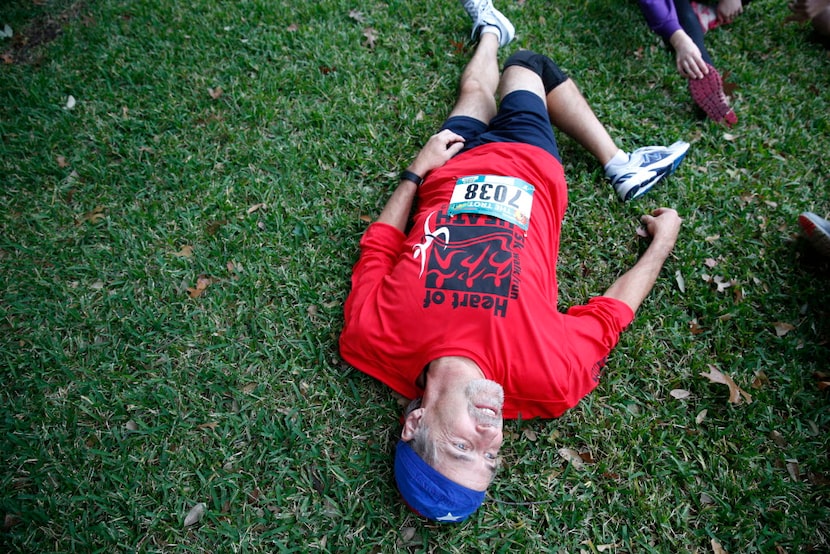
(428, 492)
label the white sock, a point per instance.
(620, 157)
(490, 29)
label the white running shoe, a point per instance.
(645, 168)
(483, 13)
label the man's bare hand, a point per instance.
(436, 152)
(663, 224)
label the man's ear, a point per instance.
(411, 424)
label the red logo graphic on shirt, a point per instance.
(480, 261)
(470, 260)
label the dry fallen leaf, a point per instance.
(255, 207)
(185, 252)
(793, 470)
(62, 161)
(94, 216)
(202, 283)
(216, 93)
(710, 262)
(681, 283)
(357, 16)
(700, 416)
(760, 380)
(722, 283)
(587, 457)
(407, 533)
(195, 514)
(572, 456)
(717, 548)
(782, 328)
(736, 393)
(209, 425)
(778, 439)
(680, 394)
(10, 520)
(529, 434)
(371, 36)
(70, 102)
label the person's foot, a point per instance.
(484, 14)
(706, 14)
(709, 95)
(817, 230)
(645, 168)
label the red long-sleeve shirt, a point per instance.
(480, 287)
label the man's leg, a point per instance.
(477, 87)
(567, 109)
(570, 112)
(631, 175)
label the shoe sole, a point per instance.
(708, 94)
(639, 190)
(814, 228)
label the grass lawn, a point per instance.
(184, 185)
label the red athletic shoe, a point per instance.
(708, 94)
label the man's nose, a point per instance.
(487, 429)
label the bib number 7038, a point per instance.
(507, 198)
(489, 191)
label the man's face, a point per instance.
(466, 428)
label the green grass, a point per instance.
(126, 402)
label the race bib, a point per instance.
(507, 198)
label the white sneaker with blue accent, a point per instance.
(483, 13)
(645, 168)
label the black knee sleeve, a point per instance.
(552, 76)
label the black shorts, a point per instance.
(522, 117)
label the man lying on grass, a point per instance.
(461, 312)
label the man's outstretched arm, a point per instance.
(634, 285)
(437, 151)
